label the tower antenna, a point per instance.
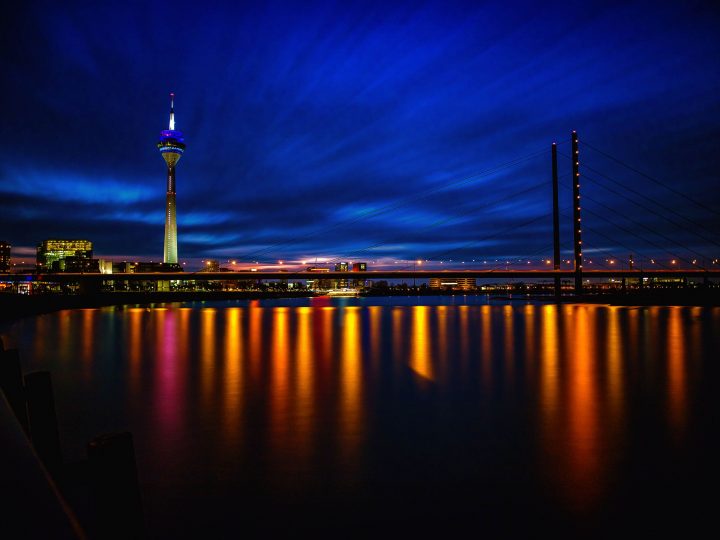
(171, 127)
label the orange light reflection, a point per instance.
(583, 458)
(420, 342)
(676, 372)
(304, 402)
(233, 379)
(207, 354)
(351, 387)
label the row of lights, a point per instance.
(419, 262)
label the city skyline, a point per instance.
(301, 135)
(427, 267)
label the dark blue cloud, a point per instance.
(305, 120)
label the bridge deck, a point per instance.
(372, 275)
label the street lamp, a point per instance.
(415, 264)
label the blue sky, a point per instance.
(361, 130)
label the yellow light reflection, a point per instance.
(351, 387)
(550, 406)
(135, 344)
(280, 400)
(255, 339)
(442, 342)
(583, 458)
(487, 348)
(633, 326)
(550, 370)
(375, 315)
(304, 402)
(464, 339)
(207, 353)
(509, 343)
(420, 343)
(530, 345)
(327, 336)
(233, 370)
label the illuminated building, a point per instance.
(80, 265)
(359, 267)
(456, 284)
(4, 257)
(318, 284)
(106, 267)
(52, 254)
(341, 283)
(171, 146)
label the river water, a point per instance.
(426, 414)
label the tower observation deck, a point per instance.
(171, 146)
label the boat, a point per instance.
(343, 292)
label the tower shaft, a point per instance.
(171, 179)
(170, 244)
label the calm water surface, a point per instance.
(370, 414)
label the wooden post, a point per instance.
(11, 382)
(114, 487)
(43, 420)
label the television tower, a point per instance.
(171, 146)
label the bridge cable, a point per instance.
(399, 204)
(654, 212)
(655, 180)
(701, 255)
(653, 201)
(614, 240)
(488, 237)
(442, 221)
(629, 231)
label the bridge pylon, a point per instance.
(577, 223)
(556, 222)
